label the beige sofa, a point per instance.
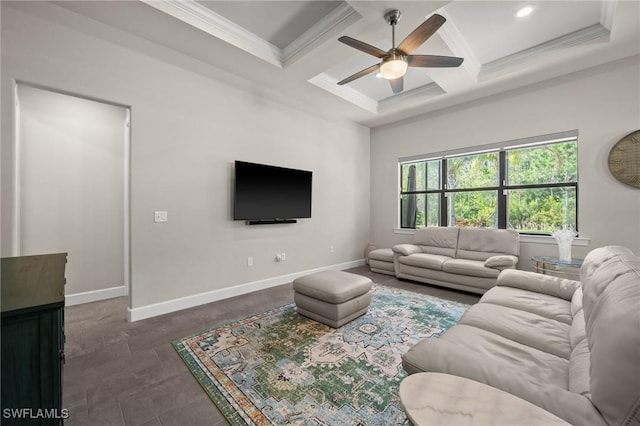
(570, 347)
(467, 259)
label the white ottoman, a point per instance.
(332, 297)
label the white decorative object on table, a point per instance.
(564, 237)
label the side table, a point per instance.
(554, 266)
(444, 399)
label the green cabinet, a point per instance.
(32, 339)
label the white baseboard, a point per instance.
(169, 306)
(94, 296)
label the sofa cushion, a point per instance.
(474, 268)
(424, 260)
(529, 301)
(466, 350)
(480, 243)
(526, 328)
(610, 279)
(383, 254)
(437, 240)
(501, 261)
(432, 276)
(406, 249)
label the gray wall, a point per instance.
(186, 131)
(71, 185)
(602, 103)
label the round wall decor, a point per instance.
(624, 159)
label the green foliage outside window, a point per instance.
(473, 208)
(542, 209)
(555, 163)
(536, 192)
(473, 171)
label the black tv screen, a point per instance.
(265, 192)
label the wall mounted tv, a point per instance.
(267, 194)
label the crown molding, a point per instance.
(418, 96)
(607, 13)
(575, 38)
(338, 15)
(205, 19)
(330, 84)
(195, 14)
(451, 35)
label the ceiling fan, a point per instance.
(394, 63)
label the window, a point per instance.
(531, 187)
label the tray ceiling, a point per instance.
(298, 55)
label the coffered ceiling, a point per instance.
(290, 48)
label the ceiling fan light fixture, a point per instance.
(524, 11)
(393, 66)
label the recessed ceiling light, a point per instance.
(524, 11)
(378, 75)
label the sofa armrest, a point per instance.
(440, 399)
(501, 262)
(532, 281)
(406, 249)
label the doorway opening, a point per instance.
(71, 190)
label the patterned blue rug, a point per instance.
(280, 368)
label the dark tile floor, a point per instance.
(121, 373)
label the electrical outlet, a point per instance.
(160, 216)
(283, 255)
(249, 261)
(331, 249)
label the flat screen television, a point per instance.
(270, 194)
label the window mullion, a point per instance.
(443, 196)
(502, 195)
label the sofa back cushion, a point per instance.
(482, 243)
(437, 240)
(610, 279)
(579, 361)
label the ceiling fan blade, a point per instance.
(433, 61)
(359, 74)
(362, 46)
(421, 34)
(397, 84)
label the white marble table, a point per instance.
(442, 399)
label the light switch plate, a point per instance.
(160, 216)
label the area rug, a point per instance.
(280, 368)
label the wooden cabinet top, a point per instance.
(28, 281)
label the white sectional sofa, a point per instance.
(467, 259)
(569, 347)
